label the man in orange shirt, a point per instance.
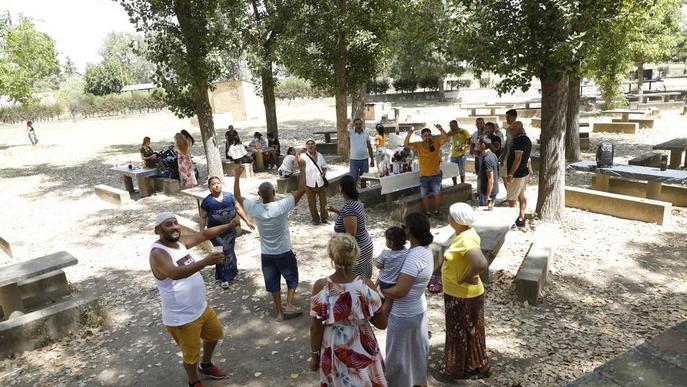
(429, 157)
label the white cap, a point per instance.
(462, 213)
(163, 216)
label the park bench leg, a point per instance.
(144, 186)
(601, 182)
(653, 190)
(128, 183)
(10, 300)
(675, 158)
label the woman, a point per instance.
(230, 137)
(407, 340)
(238, 153)
(219, 208)
(148, 156)
(342, 343)
(187, 179)
(288, 165)
(465, 351)
(351, 220)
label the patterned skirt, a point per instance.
(465, 351)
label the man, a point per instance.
(315, 173)
(518, 170)
(490, 129)
(185, 311)
(489, 181)
(360, 149)
(474, 146)
(277, 257)
(511, 116)
(429, 157)
(460, 141)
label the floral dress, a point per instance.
(187, 177)
(349, 353)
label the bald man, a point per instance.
(519, 170)
(277, 257)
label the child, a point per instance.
(391, 261)
(380, 150)
(289, 163)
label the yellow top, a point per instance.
(379, 141)
(455, 265)
(458, 142)
(430, 162)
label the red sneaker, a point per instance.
(213, 372)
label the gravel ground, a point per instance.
(613, 283)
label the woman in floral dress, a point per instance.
(187, 178)
(342, 342)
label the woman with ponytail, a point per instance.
(407, 340)
(342, 343)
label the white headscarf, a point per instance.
(462, 213)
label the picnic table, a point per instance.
(677, 147)
(140, 174)
(327, 135)
(402, 181)
(664, 97)
(625, 113)
(474, 108)
(653, 176)
(12, 275)
(198, 193)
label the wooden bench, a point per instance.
(166, 185)
(12, 275)
(413, 203)
(643, 123)
(650, 159)
(531, 277)
(615, 127)
(675, 194)
(112, 195)
(621, 206)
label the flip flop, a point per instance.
(292, 315)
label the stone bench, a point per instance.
(333, 188)
(228, 168)
(584, 140)
(621, 206)
(166, 185)
(44, 289)
(662, 105)
(6, 246)
(327, 148)
(615, 127)
(287, 184)
(643, 123)
(112, 195)
(531, 277)
(684, 110)
(650, 159)
(470, 121)
(536, 122)
(675, 194)
(413, 203)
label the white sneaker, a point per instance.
(224, 285)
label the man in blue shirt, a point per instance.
(360, 149)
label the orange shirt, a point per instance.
(430, 162)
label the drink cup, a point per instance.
(218, 249)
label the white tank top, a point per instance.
(183, 300)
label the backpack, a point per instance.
(604, 155)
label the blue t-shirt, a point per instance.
(219, 212)
(273, 223)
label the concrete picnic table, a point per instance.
(414, 125)
(327, 135)
(11, 275)
(625, 113)
(677, 147)
(474, 108)
(653, 176)
(406, 180)
(665, 97)
(141, 175)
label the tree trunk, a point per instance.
(441, 90)
(551, 195)
(358, 103)
(201, 102)
(640, 78)
(340, 83)
(572, 120)
(269, 100)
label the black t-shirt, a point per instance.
(489, 163)
(520, 143)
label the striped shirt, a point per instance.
(355, 208)
(419, 264)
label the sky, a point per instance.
(77, 26)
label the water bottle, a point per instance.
(664, 162)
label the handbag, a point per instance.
(326, 182)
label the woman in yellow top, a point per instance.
(465, 351)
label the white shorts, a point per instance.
(516, 188)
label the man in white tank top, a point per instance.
(185, 311)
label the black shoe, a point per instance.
(520, 223)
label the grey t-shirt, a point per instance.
(489, 163)
(273, 223)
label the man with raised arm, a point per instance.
(185, 310)
(429, 157)
(277, 257)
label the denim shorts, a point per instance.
(460, 160)
(275, 266)
(430, 184)
(358, 167)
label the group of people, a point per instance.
(235, 151)
(180, 166)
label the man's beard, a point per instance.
(170, 238)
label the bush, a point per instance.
(431, 82)
(405, 85)
(459, 83)
(293, 87)
(41, 112)
(378, 86)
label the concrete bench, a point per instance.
(662, 105)
(621, 206)
(536, 122)
(675, 194)
(584, 140)
(6, 246)
(112, 195)
(643, 123)
(413, 203)
(650, 159)
(615, 127)
(333, 188)
(44, 289)
(166, 185)
(287, 184)
(470, 121)
(684, 110)
(531, 277)
(228, 168)
(327, 148)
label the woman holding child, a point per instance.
(407, 340)
(351, 220)
(342, 343)
(465, 351)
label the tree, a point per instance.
(185, 39)
(338, 46)
(125, 52)
(102, 79)
(27, 58)
(536, 39)
(69, 69)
